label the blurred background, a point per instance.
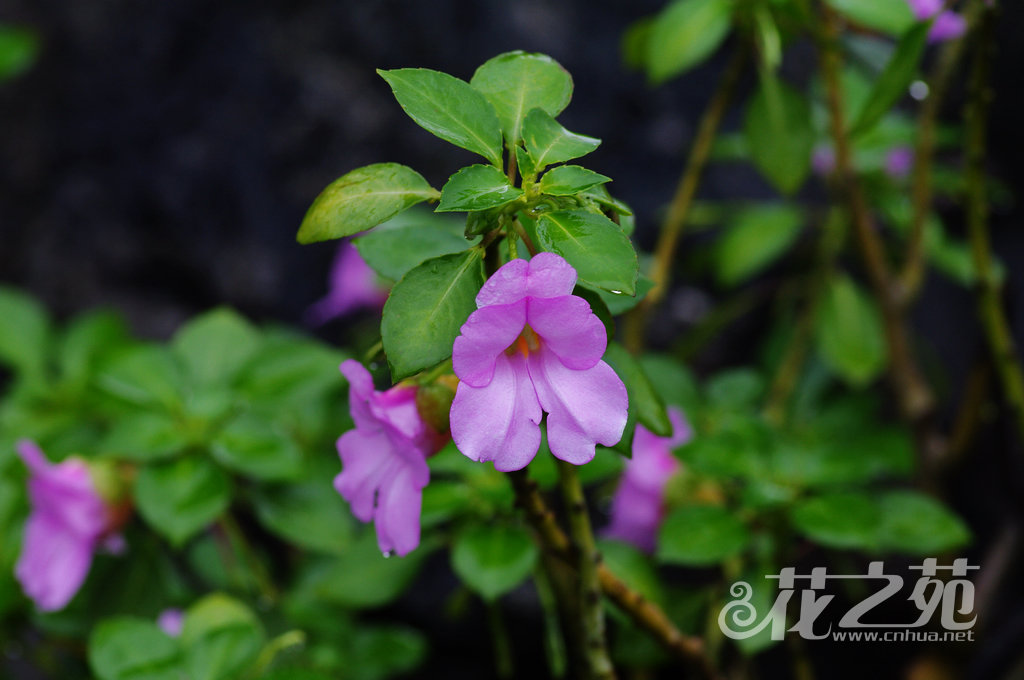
(158, 158)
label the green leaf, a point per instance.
(916, 524)
(257, 447)
(426, 309)
(569, 180)
(127, 648)
(214, 346)
(893, 82)
(779, 136)
(361, 577)
(181, 497)
(527, 166)
(309, 514)
(673, 382)
(756, 237)
(620, 304)
(393, 248)
(633, 567)
(645, 406)
(291, 369)
(24, 332)
(890, 17)
(701, 535)
(839, 520)
(362, 199)
(594, 245)
(548, 142)
(516, 82)
(18, 50)
(221, 637)
(87, 340)
(848, 332)
(145, 437)
(493, 560)
(382, 652)
(684, 34)
(477, 187)
(146, 375)
(449, 108)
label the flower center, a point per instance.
(528, 341)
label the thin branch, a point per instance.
(587, 560)
(682, 200)
(993, 316)
(644, 613)
(915, 397)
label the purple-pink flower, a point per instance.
(533, 347)
(948, 25)
(351, 286)
(638, 505)
(384, 460)
(171, 621)
(68, 523)
(899, 161)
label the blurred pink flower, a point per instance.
(384, 459)
(532, 346)
(638, 504)
(351, 286)
(823, 159)
(68, 523)
(948, 25)
(899, 161)
(171, 621)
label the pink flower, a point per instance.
(171, 621)
(638, 505)
(823, 160)
(384, 460)
(532, 346)
(948, 25)
(352, 285)
(68, 523)
(899, 161)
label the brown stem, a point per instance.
(915, 398)
(644, 613)
(682, 200)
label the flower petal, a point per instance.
(352, 285)
(398, 513)
(550, 276)
(584, 408)
(487, 333)
(569, 328)
(54, 562)
(366, 461)
(499, 422)
(360, 392)
(505, 286)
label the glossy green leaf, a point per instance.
(594, 245)
(894, 80)
(848, 332)
(127, 648)
(620, 304)
(145, 437)
(24, 332)
(890, 17)
(701, 535)
(645, 406)
(257, 447)
(839, 520)
(449, 108)
(144, 375)
(569, 180)
(516, 82)
(221, 637)
(684, 34)
(181, 497)
(426, 309)
(756, 238)
(477, 187)
(18, 50)
(524, 161)
(392, 249)
(493, 560)
(916, 524)
(548, 142)
(779, 135)
(362, 199)
(214, 346)
(362, 577)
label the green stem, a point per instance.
(993, 316)
(502, 643)
(554, 642)
(240, 543)
(682, 201)
(588, 557)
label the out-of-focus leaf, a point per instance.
(778, 134)
(257, 447)
(145, 437)
(309, 513)
(24, 332)
(888, 16)
(393, 248)
(684, 34)
(214, 346)
(18, 50)
(839, 520)
(757, 237)
(848, 331)
(146, 375)
(181, 497)
(701, 535)
(894, 80)
(126, 648)
(221, 637)
(493, 560)
(915, 524)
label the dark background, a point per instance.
(159, 157)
